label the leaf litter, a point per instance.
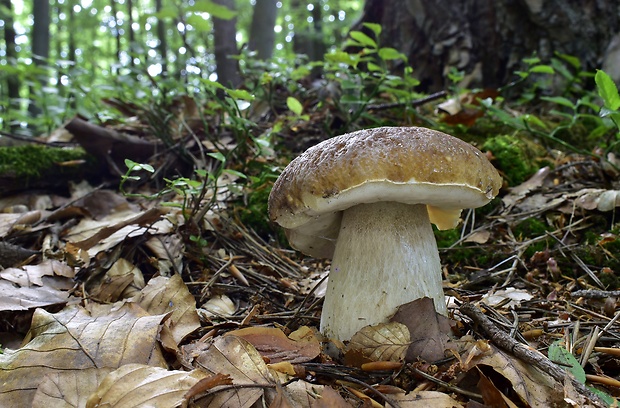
(116, 307)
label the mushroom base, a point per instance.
(386, 255)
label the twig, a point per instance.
(595, 294)
(413, 104)
(446, 385)
(526, 354)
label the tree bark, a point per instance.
(12, 81)
(308, 38)
(225, 43)
(163, 42)
(489, 39)
(40, 45)
(262, 36)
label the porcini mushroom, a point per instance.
(367, 199)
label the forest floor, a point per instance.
(178, 293)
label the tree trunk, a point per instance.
(163, 42)
(132, 34)
(308, 39)
(225, 42)
(40, 45)
(489, 39)
(262, 36)
(12, 81)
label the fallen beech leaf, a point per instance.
(121, 281)
(170, 295)
(492, 396)
(479, 237)
(516, 296)
(74, 340)
(428, 329)
(218, 305)
(237, 358)
(381, 342)
(535, 388)
(68, 388)
(425, 399)
(329, 398)
(137, 385)
(206, 384)
(273, 344)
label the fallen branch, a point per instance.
(525, 353)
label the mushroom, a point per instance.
(367, 200)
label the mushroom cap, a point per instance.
(410, 165)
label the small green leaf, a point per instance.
(217, 156)
(216, 10)
(542, 69)
(570, 59)
(560, 355)
(560, 100)
(240, 94)
(372, 67)
(387, 53)
(363, 39)
(198, 22)
(607, 90)
(234, 173)
(375, 28)
(294, 105)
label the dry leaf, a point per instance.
(68, 388)
(170, 295)
(238, 359)
(381, 342)
(74, 340)
(428, 329)
(329, 398)
(535, 388)
(425, 399)
(273, 344)
(137, 385)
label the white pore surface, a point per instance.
(385, 256)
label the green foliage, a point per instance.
(34, 160)
(516, 158)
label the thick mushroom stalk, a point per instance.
(385, 256)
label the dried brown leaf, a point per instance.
(425, 399)
(535, 388)
(68, 388)
(381, 342)
(428, 329)
(137, 385)
(170, 295)
(236, 357)
(329, 398)
(273, 344)
(74, 340)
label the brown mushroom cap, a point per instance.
(410, 165)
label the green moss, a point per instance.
(516, 158)
(31, 161)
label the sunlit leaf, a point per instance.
(388, 53)
(216, 10)
(607, 90)
(376, 28)
(363, 39)
(560, 100)
(294, 105)
(542, 69)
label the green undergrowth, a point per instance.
(34, 161)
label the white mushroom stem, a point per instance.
(386, 255)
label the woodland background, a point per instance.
(139, 141)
